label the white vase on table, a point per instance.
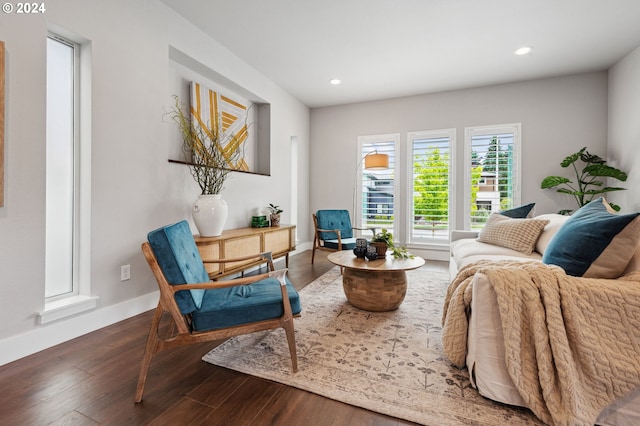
(210, 214)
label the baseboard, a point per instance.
(430, 254)
(301, 248)
(46, 336)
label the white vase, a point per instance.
(209, 214)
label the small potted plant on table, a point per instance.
(274, 217)
(383, 241)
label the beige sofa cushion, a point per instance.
(517, 234)
(555, 223)
(467, 250)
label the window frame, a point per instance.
(75, 162)
(80, 299)
(421, 135)
(357, 207)
(469, 133)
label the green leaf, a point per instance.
(567, 191)
(572, 158)
(603, 190)
(591, 158)
(602, 170)
(615, 207)
(592, 183)
(551, 181)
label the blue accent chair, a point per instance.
(203, 310)
(333, 231)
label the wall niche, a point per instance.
(193, 81)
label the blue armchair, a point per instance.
(203, 310)
(333, 231)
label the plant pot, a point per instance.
(210, 214)
(275, 219)
(381, 248)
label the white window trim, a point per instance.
(357, 208)
(469, 132)
(62, 308)
(429, 134)
(81, 299)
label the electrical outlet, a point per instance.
(125, 272)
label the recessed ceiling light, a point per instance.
(335, 81)
(523, 50)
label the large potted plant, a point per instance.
(202, 147)
(588, 183)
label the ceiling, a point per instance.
(391, 48)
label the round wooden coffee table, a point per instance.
(374, 285)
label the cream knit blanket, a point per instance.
(572, 344)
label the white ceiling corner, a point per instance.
(388, 48)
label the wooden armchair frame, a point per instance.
(181, 332)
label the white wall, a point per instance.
(558, 115)
(624, 128)
(134, 188)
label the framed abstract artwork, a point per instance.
(210, 108)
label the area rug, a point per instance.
(388, 362)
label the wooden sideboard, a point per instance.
(279, 240)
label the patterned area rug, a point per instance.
(387, 362)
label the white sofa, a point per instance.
(465, 249)
(485, 345)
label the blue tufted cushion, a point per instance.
(594, 242)
(347, 243)
(243, 304)
(180, 260)
(334, 219)
(521, 212)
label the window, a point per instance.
(67, 163)
(416, 197)
(492, 172)
(430, 185)
(376, 198)
(60, 165)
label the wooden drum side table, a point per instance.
(374, 285)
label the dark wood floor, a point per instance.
(91, 380)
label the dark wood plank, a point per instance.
(246, 404)
(92, 379)
(73, 418)
(220, 384)
(295, 406)
(185, 412)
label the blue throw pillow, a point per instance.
(594, 242)
(521, 212)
